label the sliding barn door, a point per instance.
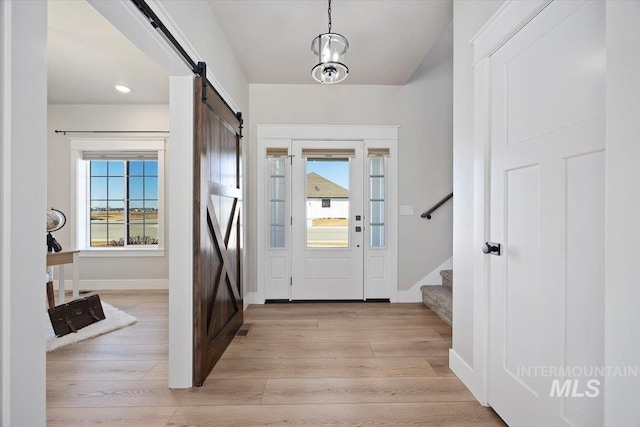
(217, 235)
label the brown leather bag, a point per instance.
(77, 314)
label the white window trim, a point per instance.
(80, 194)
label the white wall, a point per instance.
(4, 223)
(180, 189)
(148, 272)
(422, 108)
(622, 293)
(468, 17)
(426, 164)
(23, 193)
(196, 22)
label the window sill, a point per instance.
(120, 253)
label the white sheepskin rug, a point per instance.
(114, 319)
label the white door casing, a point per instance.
(546, 115)
(377, 266)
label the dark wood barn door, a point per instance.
(217, 234)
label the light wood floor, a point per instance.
(300, 364)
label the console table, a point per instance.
(60, 259)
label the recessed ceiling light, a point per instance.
(123, 89)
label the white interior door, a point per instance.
(327, 220)
(547, 210)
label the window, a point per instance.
(327, 178)
(277, 202)
(123, 198)
(377, 201)
(119, 197)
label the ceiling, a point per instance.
(388, 38)
(87, 56)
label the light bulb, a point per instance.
(326, 52)
(122, 88)
(329, 74)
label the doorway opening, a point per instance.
(106, 172)
(328, 228)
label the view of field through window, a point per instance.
(124, 202)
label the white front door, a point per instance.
(547, 210)
(327, 220)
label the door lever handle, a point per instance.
(491, 248)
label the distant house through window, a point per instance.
(327, 202)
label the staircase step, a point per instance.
(447, 278)
(438, 299)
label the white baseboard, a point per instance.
(410, 295)
(106, 285)
(464, 372)
(251, 298)
(414, 294)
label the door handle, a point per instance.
(491, 248)
(358, 229)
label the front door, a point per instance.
(547, 211)
(327, 220)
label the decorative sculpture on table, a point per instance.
(55, 221)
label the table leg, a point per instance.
(74, 272)
(61, 283)
(50, 295)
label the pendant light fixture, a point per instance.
(330, 50)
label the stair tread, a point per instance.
(435, 288)
(442, 296)
(437, 291)
(446, 274)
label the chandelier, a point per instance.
(330, 50)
